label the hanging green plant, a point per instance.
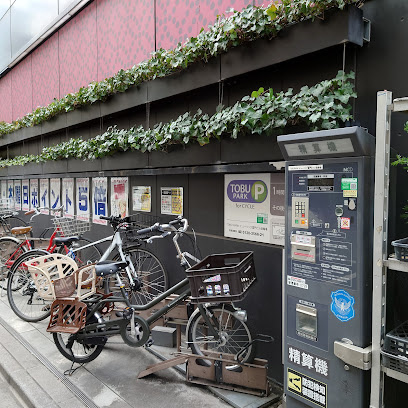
(322, 106)
(243, 26)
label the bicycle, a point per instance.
(22, 293)
(8, 218)
(80, 330)
(144, 275)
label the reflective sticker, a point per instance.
(342, 305)
(307, 387)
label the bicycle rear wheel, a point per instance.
(22, 293)
(10, 249)
(7, 223)
(233, 334)
(76, 351)
(83, 256)
(150, 272)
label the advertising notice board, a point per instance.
(254, 207)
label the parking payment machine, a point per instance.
(327, 288)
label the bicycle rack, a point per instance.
(222, 371)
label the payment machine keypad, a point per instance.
(300, 212)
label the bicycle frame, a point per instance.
(116, 243)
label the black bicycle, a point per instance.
(80, 327)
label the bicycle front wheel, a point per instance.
(10, 249)
(149, 271)
(22, 293)
(233, 334)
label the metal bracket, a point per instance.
(366, 30)
(352, 355)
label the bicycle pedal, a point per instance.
(149, 343)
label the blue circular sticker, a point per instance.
(342, 305)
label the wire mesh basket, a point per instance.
(137, 222)
(72, 226)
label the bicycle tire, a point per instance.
(90, 352)
(234, 335)
(149, 269)
(6, 224)
(21, 291)
(91, 254)
(10, 249)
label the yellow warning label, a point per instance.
(349, 193)
(294, 382)
(307, 387)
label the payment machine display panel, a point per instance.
(323, 212)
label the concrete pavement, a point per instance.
(32, 365)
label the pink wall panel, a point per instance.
(21, 88)
(45, 72)
(78, 51)
(177, 20)
(5, 98)
(125, 34)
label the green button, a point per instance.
(296, 221)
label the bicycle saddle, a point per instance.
(21, 230)
(65, 240)
(104, 268)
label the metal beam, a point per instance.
(381, 190)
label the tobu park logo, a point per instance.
(247, 191)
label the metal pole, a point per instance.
(381, 190)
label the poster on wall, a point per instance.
(119, 196)
(55, 193)
(100, 199)
(142, 198)
(254, 207)
(67, 197)
(277, 209)
(4, 192)
(171, 199)
(44, 196)
(34, 203)
(17, 195)
(25, 195)
(82, 195)
(10, 193)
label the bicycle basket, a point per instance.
(137, 222)
(72, 226)
(67, 316)
(222, 277)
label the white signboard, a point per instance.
(171, 199)
(17, 195)
(254, 207)
(67, 197)
(34, 199)
(10, 193)
(44, 195)
(142, 198)
(25, 195)
(55, 193)
(119, 196)
(100, 199)
(82, 198)
(4, 190)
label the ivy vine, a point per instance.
(228, 31)
(322, 106)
